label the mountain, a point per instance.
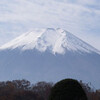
(49, 55)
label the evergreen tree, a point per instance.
(67, 89)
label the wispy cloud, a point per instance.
(81, 17)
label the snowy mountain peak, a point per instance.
(55, 40)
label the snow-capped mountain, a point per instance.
(55, 40)
(49, 55)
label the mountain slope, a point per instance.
(56, 40)
(49, 55)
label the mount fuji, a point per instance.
(49, 55)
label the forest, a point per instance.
(25, 90)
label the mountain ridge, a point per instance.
(56, 40)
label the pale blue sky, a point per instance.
(80, 17)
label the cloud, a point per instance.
(77, 16)
(88, 2)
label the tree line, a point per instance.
(24, 90)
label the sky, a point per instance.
(79, 17)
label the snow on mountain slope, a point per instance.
(55, 40)
(49, 55)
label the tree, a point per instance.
(21, 84)
(67, 89)
(42, 89)
(25, 95)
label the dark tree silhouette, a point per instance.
(68, 89)
(42, 89)
(25, 95)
